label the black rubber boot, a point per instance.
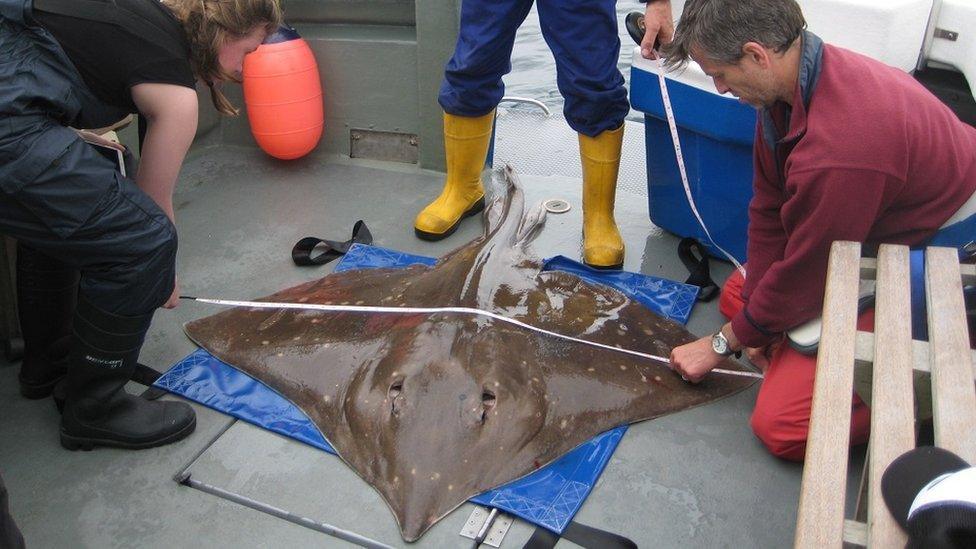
(97, 410)
(143, 375)
(10, 536)
(46, 293)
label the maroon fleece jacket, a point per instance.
(871, 157)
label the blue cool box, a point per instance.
(549, 497)
(716, 134)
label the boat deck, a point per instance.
(695, 478)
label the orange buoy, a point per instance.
(283, 95)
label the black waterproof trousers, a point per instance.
(10, 537)
(61, 197)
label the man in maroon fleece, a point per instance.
(846, 148)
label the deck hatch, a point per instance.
(384, 145)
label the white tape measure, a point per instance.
(669, 114)
(429, 310)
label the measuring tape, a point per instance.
(429, 310)
(669, 114)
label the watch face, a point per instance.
(719, 344)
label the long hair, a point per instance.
(210, 23)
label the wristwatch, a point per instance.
(721, 345)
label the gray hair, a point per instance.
(719, 29)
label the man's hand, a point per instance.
(658, 26)
(174, 298)
(694, 360)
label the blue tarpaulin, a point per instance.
(548, 497)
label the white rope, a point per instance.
(429, 310)
(669, 113)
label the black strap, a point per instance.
(698, 267)
(580, 534)
(109, 12)
(145, 375)
(301, 254)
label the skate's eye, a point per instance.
(487, 403)
(396, 388)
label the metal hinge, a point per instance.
(488, 527)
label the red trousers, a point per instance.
(781, 418)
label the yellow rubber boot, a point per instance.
(466, 141)
(602, 246)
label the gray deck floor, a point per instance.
(696, 478)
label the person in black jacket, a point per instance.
(83, 227)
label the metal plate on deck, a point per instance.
(382, 145)
(496, 532)
(556, 205)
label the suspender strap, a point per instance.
(582, 535)
(108, 12)
(81, 9)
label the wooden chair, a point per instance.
(899, 376)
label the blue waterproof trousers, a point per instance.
(61, 197)
(582, 35)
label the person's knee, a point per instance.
(730, 300)
(143, 276)
(783, 437)
(163, 252)
(160, 265)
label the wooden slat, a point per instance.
(864, 362)
(855, 532)
(892, 411)
(864, 353)
(953, 397)
(869, 268)
(820, 519)
(968, 274)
